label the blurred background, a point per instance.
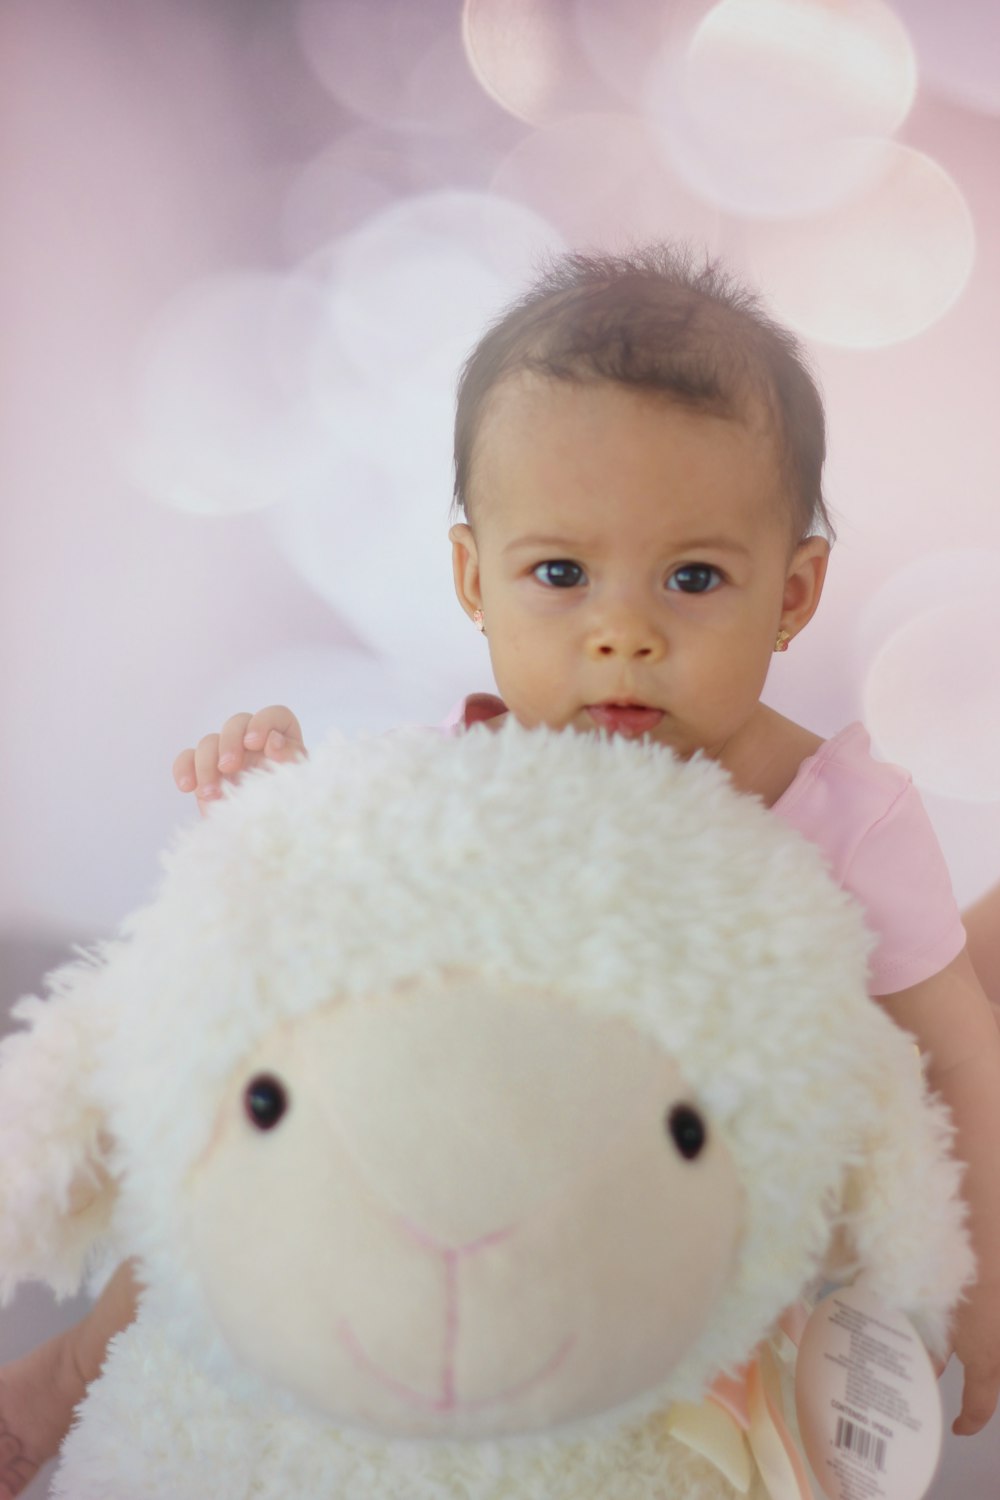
(245, 247)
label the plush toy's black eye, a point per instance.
(265, 1100)
(688, 1130)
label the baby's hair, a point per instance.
(656, 319)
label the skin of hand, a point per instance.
(271, 735)
(982, 924)
(39, 1392)
(952, 1021)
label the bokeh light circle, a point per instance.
(394, 61)
(603, 181)
(330, 688)
(223, 420)
(349, 182)
(623, 41)
(419, 282)
(524, 54)
(376, 549)
(932, 699)
(407, 296)
(883, 267)
(758, 108)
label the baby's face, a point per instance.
(633, 559)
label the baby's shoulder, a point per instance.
(770, 762)
(868, 819)
(849, 771)
(845, 798)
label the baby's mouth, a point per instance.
(628, 719)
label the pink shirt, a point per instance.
(867, 818)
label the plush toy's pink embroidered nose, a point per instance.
(446, 1400)
(431, 1242)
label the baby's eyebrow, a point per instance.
(713, 544)
(556, 542)
(680, 545)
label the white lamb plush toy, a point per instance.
(466, 1103)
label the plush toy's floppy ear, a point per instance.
(904, 1219)
(55, 1192)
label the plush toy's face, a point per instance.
(467, 1210)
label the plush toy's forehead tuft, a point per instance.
(607, 869)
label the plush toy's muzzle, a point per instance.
(466, 1210)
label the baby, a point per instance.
(638, 458)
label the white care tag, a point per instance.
(867, 1400)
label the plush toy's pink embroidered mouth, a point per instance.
(447, 1401)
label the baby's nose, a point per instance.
(627, 633)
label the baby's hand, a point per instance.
(246, 740)
(37, 1396)
(977, 1344)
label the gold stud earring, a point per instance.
(781, 644)
(479, 620)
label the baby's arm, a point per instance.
(952, 1021)
(246, 740)
(982, 923)
(39, 1392)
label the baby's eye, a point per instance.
(694, 578)
(560, 573)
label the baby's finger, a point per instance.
(979, 1401)
(276, 732)
(206, 766)
(231, 744)
(183, 772)
(280, 747)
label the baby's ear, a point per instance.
(903, 1218)
(56, 1195)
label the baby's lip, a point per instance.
(624, 702)
(625, 716)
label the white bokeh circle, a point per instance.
(623, 42)
(407, 295)
(603, 180)
(330, 688)
(758, 110)
(350, 181)
(222, 416)
(880, 269)
(932, 699)
(525, 56)
(377, 551)
(395, 62)
(420, 281)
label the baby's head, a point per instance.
(638, 457)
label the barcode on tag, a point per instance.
(865, 1445)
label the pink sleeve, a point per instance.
(899, 875)
(868, 819)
